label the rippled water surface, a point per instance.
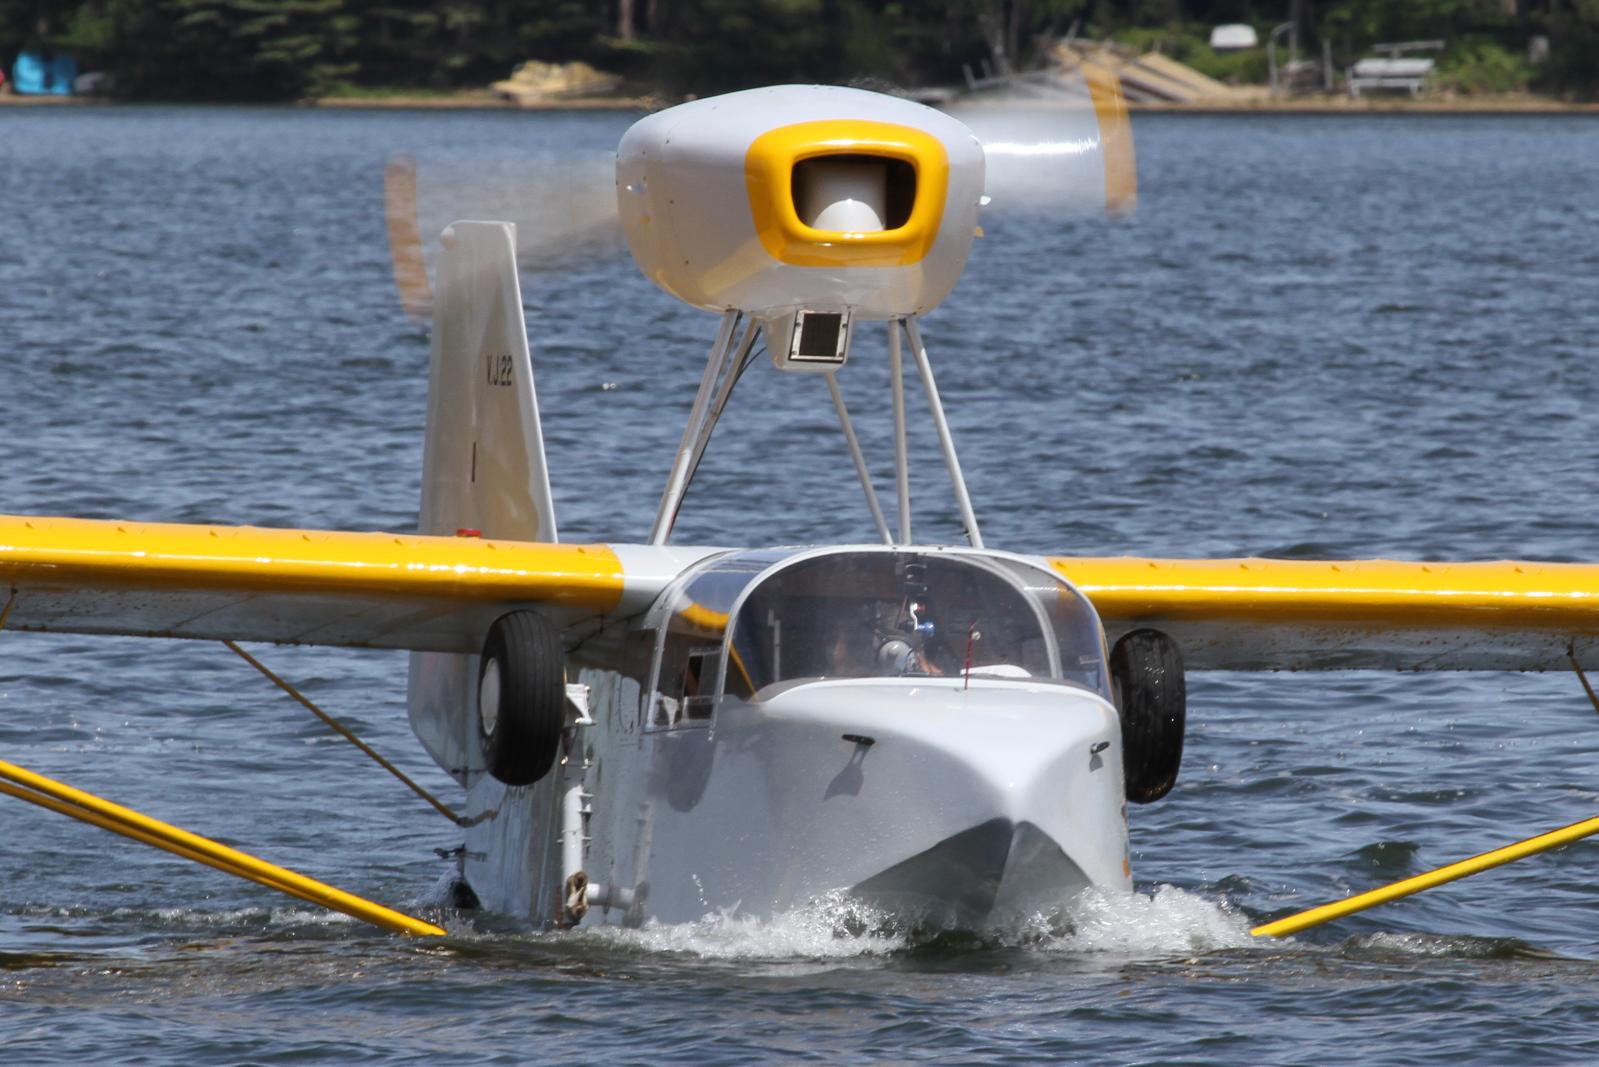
(1344, 336)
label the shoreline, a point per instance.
(471, 100)
(1343, 104)
(483, 100)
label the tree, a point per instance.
(229, 49)
(284, 49)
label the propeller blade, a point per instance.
(1057, 145)
(562, 203)
(405, 240)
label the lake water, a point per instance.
(1320, 337)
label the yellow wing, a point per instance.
(291, 586)
(440, 594)
(1272, 614)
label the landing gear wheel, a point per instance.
(521, 697)
(1152, 698)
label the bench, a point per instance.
(1389, 74)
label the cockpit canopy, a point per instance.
(895, 614)
(748, 621)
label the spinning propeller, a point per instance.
(1069, 155)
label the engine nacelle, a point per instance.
(796, 197)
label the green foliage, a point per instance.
(284, 49)
(722, 44)
(1190, 44)
(871, 47)
(226, 49)
(1366, 22)
(1573, 67)
(1246, 67)
(88, 31)
(1483, 66)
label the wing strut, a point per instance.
(1571, 654)
(344, 731)
(48, 793)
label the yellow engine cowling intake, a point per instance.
(806, 179)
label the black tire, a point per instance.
(521, 697)
(1152, 699)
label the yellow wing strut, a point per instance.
(49, 793)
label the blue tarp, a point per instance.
(33, 73)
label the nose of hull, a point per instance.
(938, 803)
(994, 872)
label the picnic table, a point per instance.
(1393, 69)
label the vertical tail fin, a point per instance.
(483, 464)
(483, 460)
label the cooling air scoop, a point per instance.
(797, 197)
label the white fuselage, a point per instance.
(949, 802)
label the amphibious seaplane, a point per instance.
(950, 733)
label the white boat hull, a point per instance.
(938, 803)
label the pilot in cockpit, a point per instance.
(889, 641)
(946, 628)
(905, 646)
